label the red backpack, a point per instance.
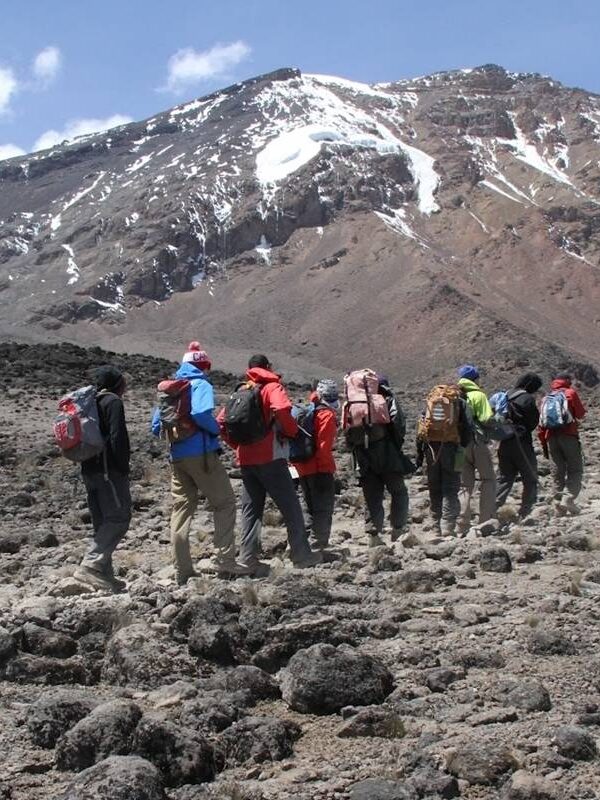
(174, 399)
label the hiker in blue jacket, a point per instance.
(197, 469)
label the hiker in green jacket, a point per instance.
(478, 458)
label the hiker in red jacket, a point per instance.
(561, 443)
(316, 474)
(265, 471)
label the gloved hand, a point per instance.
(323, 481)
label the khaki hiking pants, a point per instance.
(478, 461)
(193, 476)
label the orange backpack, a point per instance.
(440, 421)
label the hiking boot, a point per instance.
(376, 541)
(571, 506)
(311, 560)
(181, 580)
(397, 533)
(232, 568)
(255, 568)
(96, 580)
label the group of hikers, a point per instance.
(280, 445)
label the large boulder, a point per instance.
(576, 743)
(481, 763)
(117, 778)
(55, 712)
(260, 739)
(139, 655)
(45, 642)
(107, 731)
(182, 755)
(323, 679)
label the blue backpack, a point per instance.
(554, 411)
(303, 447)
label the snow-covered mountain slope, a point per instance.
(316, 217)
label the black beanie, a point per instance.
(530, 381)
(259, 361)
(109, 378)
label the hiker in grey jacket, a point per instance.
(106, 479)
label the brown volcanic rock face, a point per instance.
(311, 216)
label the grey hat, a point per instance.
(327, 390)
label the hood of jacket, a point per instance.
(469, 386)
(560, 383)
(260, 375)
(190, 372)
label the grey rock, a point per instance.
(422, 580)
(8, 646)
(138, 655)
(259, 739)
(439, 679)
(495, 559)
(221, 643)
(46, 670)
(575, 743)
(547, 641)
(432, 783)
(376, 721)
(525, 786)
(106, 731)
(117, 778)
(258, 683)
(323, 679)
(55, 712)
(380, 789)
(482, 763)
(530, 696)
(479, 658)
(181, 755)
(44, 642)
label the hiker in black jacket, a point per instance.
(516, 455)
(106, 479)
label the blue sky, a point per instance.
(69, 67)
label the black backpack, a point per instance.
(244, 419)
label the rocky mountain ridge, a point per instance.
(284, 212)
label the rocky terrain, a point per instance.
(308, 213)
(422, 670)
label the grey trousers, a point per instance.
(478, 461)
(110, 506)
(319, 496)
(443, 482)
(567, 460)
(374, 486)
(273, 479)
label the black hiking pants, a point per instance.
(374, 486)
(516, 457)
(318, 491)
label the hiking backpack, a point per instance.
(174, 400)
(244, 420)
(364, 404)
(441, 418)
(555, 411)
(76, 426)
(303, 445)
(502, 425)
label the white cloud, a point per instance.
(8, 87)
(79, 127)
(10, 151)
(46, 64)
(187, 67)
